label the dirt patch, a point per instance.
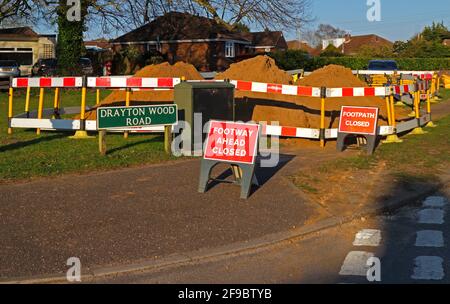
(178, 70)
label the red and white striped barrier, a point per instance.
(371, 72)
(402, 89)
(422, 86)
(48, 82)
(312, 133)
(290, 132)
(131, 82)
(283, 89)
(358, 92)
(424, 76)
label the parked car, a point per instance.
(382, 65)
(45, 67)
(9, 68)
(48, 67)
(86, 66)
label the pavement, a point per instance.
(152, 217)
(120, 217)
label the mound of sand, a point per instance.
(258, 69)
(178, 70)
(290, 111)
(304, 111)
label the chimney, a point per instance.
(347, 37)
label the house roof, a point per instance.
(353, 43)
(266, 38)
(446, 42)
(179, 26)
(24, 33)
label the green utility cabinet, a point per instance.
(213, 100)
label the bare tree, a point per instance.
(324, 31)
(13, 12)
(281, 14)
(123, 15)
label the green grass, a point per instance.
(25, 154)
(444, 94)
(419, 158)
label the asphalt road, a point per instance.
(411, 245)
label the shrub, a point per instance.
(294, 59)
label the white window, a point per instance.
(229, 49)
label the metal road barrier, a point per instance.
(35, 119)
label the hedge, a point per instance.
(293, 59)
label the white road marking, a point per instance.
(355, 263)
(435, 202)
(428, 268)
(429, 238)
(431, 216)
(368, 237)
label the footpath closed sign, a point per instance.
(358, 120)
(232, 142)
(136, 116)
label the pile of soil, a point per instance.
(290, 111)
(264, 107)
(178, 70)
(297, 111)
(258, 69)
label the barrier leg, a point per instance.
(413, 111)
(127, 104)
(97, 96)
(56, 104)
(388, 111)
(393, 138)
(323, 93)
(82, 134)
(10, 108)
(438, 87)
(27, 102)
(40, 108)
(430, 124)
(418, 130)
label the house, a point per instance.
(446, 42)
(201, 41)
(25, 46)
(351, 45)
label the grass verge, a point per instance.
(25, 155)
(419, 158)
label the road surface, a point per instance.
(411, 245)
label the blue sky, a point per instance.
(400, 19)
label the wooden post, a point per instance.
(168, 139)
(102, 142)
(127, 104)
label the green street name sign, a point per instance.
(136, 116)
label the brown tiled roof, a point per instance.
(354, 43)
(179, 26)
(266, 38)
(446, 42)
(24, 33)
